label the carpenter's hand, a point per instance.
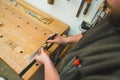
(42, 57)
(58, 39)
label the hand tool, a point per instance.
(99, 12)
(87, 7)
(80, 8)
(52, 37)
(45, 46)
(51, 2)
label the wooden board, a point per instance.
(21, 35)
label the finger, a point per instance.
(36, 57)
(50, 35)
(42, 50)
(51, 41)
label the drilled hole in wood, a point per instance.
(37, 64)
(21, 52)
(1, 36)
(13, 13)
(45, 33)
(36, 27)
(20, 17)
(6, 8)
(45, 23)
(10, 43)
(18, 26)
(27, 22)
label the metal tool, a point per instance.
(99, 12)
(80, 8)
(45, 46)
(53, 36)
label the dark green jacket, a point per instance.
(98, 52)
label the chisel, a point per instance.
(45, 46)
(87, 7)
(80, 8)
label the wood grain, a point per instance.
(21, 35)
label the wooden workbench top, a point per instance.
(22, 34)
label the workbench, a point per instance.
(24, 29)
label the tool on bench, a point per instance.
(87, 7)
(45, 46)
(80, 8)
(33, 61)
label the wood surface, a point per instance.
(21, 35)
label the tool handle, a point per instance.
(51, 2)
(53, 36)
(78, 13)
(80, 8)
(86, 9)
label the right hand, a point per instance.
(58, 39)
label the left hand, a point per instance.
(42, 57)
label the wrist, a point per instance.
(67, 40)
(47, 61)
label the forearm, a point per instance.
(73, 39)
(50, 71)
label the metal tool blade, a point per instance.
(33, 55)
(45, 46)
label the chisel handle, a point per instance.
(80, 8)
(87, 7)
(53, 36)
